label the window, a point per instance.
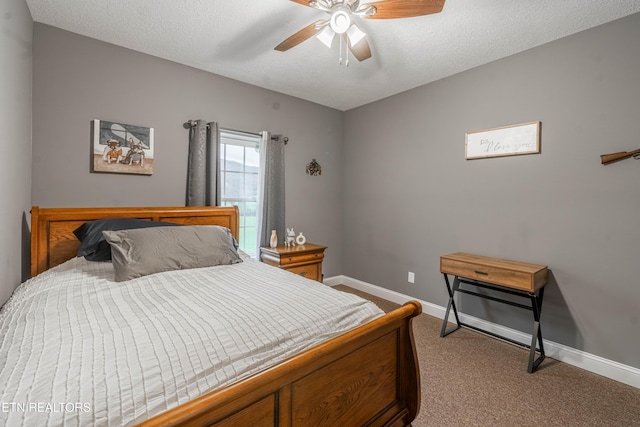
(239, 167)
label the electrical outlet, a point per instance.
(412, 277)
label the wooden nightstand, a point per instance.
(305, 260)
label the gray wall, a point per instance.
(403, 194)
(78, 79)
(16, 32)
(410, 196)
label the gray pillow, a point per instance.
(94, 247)
(143, 251)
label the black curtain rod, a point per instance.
(191, 123)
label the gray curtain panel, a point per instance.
(203, 182)
(271, 189)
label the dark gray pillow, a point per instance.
(94, 247)
(139, 252)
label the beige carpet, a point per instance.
(470, 379)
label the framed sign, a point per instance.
(503, 141)
(122, 148)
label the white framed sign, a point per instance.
(503, 141)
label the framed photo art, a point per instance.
(503, 141)
(121, 148)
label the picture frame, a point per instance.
(121, 148)
(510, 140)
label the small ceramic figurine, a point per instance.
(291, 237)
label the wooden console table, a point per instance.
(510, 277)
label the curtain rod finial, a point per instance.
(280, 138)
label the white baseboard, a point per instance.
(596, 364)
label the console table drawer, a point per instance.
(511, 274)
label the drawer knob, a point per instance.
(303, 274)
(482, 273)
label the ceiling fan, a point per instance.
(341, 21)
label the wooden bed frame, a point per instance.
(367, 376)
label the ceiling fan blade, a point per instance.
(302, 2)
(302, 35)
(361, 51)
(358, 44)
(391, 9)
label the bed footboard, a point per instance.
(367, 376)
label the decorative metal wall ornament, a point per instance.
(313, 168)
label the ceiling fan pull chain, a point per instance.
(343, 39)
(346, 42)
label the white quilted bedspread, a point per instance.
(78, 349)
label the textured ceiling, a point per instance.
(235, 39)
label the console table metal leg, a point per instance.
(536, 307)
(456, 285)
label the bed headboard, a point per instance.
(53, 241)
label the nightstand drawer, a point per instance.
(309, 271)
(296, 259)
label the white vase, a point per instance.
(274, 239)
(301, 240)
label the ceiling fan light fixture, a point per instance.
(340, 20)
(355, 35)
(326, 36)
